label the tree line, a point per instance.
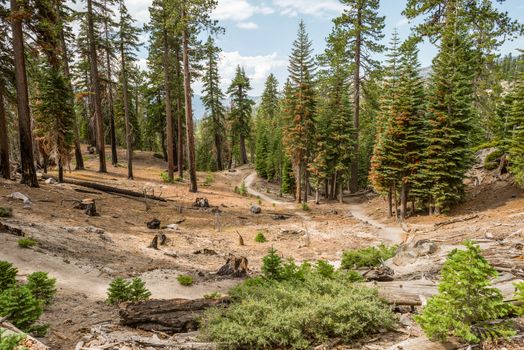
(342, 121)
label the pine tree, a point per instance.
(241, 110)
(6, 73)
(212, 99)
(516, 144)
(300, 110)
(128, 44)
(448, 156)
(363, 28)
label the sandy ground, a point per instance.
(85, 253)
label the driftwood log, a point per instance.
(110, 189)
(168, 316)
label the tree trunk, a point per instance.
(189, 110)
(180, 117)
(403, 201)
(5, 167)
(298, 192)
(78, 151)
(112, 131)
(356, 102)
(129, 136)
(169, 109)
(341, 195)
(390, 204)
(243, 151)
(306, 185)
(60, 171)
(22, 99)
(395, 200)
(317, 195)
(96, 89)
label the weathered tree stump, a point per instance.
(153, 224)
(159, 239)
(168, 316)
(201, 203)
(89, 206)
(234, 267)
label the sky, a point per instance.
(258, 34)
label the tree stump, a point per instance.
(153, 224)
(234, 267)
(201, 203)
(89, 205)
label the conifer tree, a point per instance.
(363, 28)
(128, 44)
(448, 156)
(212, 99)
(300, 111)
(516, 144)
(6, 73)
(240, 110)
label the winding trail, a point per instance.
(391, 234)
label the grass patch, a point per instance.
(298, 307)
(26, 242)
(209, 180)
(6, 212)
(305, 207)
(214, 295)
(185, 280)
(367, 257)
(260, 238)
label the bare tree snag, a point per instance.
(168, 316)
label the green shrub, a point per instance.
(367, 257)
(165, 177)
(260, 238)
(466, 305)
(7, 275)
(259, 201)
(214, 295)
(242, 190)
(185, 280)
(11, 342)
(26, 242)
(492, 160)
(42, 287)
(325, 269)
(519, 296)
(20, 307)
(118, 291)
(121, 291)
(305, 207)
(272, 265)
(6, 212)
(138, 290)
(266, 314)
(209, 180)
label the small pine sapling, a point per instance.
(118, 291)
(42, 287)
(185, 280)
(325, 269)
(138, 290)
(20, 307)
(272, 265)
(466, 305)
(11, 341)
(7, 275)
(260, 238)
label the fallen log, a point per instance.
(29, 342)
(168, 316)
(11, 229)
(454, 221)
(110, 189)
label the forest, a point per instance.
(373, 198)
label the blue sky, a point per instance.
(259, 33)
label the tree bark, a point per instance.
(390, 204)
(356, 102)
(112, 131)
(96, 89)
(298, 192)
(403, 200)
(78, 151)
(169, 108)
(395, 200)
(129, 136)
(180, 116)
(22, 99)
(189, 109)
(5, 167)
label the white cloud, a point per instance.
(402, 22)
(321, 8)
(247, 25)
(238, 10)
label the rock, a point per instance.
(172, 227)
(50, 181)
(106, 237)
(22, 197)
(255, 209)
(205, 251)
(489, 235)
(153, 224)
(279, 217)
(425, 247)
(92, 229)
(201, 203)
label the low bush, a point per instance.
(209, 180)
(165, 177)
(242, 190)
(367, 257)
(42, 287)
(6, 212)
(185, 280)
(26, 242)
(303, 307)
(20, 307)
(305, 207)
(11, 342)
(7, 275)
(214, 295)
(466, 305)
(492, 160)
(121, 291)
(260, 238)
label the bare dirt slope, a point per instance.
(85, 253)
